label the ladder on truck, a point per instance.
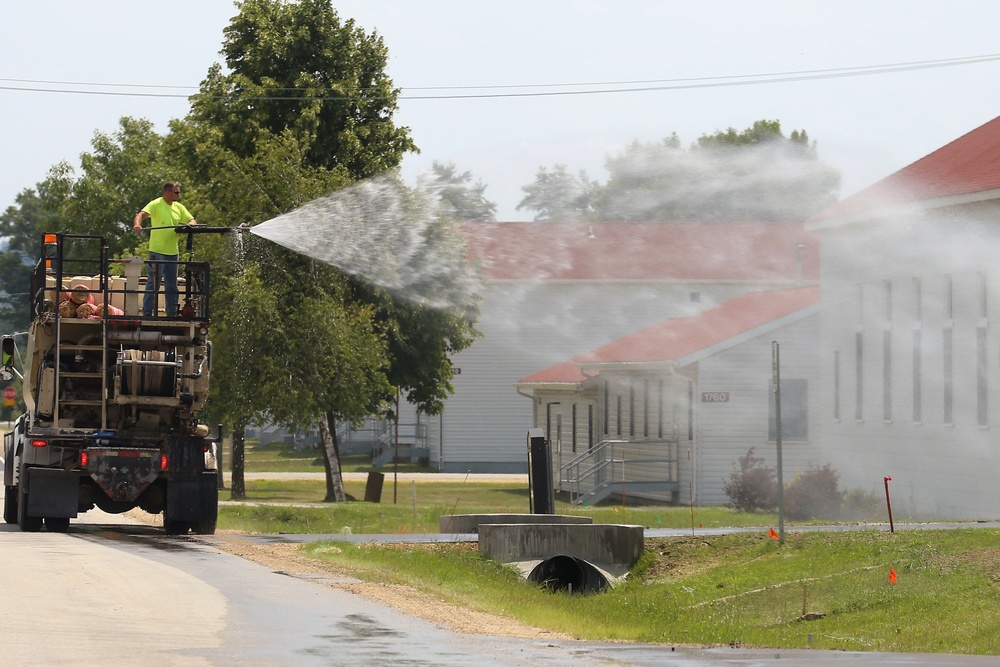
(71, 257)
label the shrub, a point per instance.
(862, 505)
(753, 487)
(814, 494)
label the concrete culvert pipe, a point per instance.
(566, 573)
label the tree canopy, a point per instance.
(304, 108)
(756, 174)
(465, 201)
(559, 195)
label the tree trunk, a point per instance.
(331, 461)
(237, 486)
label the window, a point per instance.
(607, 407)
(982, 406)
(590, 427)
(836, 385)
(558, 431)
(574, 428)
(645, 407)
(917, 376)
(631, 409)
(947, 375)
(690, 412)
(859, 375)
(794, 410)
(618, 414)
(887, 375)
(661, 407)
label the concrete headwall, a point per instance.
(613, 547)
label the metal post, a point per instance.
(776, 367)
(888, 505)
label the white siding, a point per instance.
(726, 430)
(527, 327)
(940, 467)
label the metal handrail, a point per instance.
(581, 479)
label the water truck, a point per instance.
(112, 397)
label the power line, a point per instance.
(526, 90)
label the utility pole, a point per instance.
(776, 388)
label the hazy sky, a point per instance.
(866, 126)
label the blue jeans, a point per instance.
(160, 269)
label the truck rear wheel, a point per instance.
(204, 527)
(56, 524)
(10, 504)
(175, 527)
(29, 524)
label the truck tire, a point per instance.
(204, 527)
(28, 524)
(10, 504)
(55, 524)
(175, 527)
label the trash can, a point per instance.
(373, 488)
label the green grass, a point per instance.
(283, 457)
(741, 589)
(418, 505)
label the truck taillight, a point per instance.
(163, 461)
(39, 443)
(84, 459)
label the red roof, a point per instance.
(969, 164)
(676, 340)
(643, 251)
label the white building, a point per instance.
(910, 342)
(666, 412)
(554, 290)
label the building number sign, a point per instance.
(715, 397)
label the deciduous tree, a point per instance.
(558, 195)
(756, 174)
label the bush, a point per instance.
(814, 494)
(753, 487)
(862, 505)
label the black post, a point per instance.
(540, 473)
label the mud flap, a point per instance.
(194, 498)
(51, 493)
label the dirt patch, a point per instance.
(288, 558)
(986, 560)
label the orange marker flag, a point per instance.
(892, 575)
(773, 534)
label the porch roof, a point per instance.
(682, 341)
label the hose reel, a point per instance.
(148, 372)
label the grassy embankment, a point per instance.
(741, 589)
(818, 590)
